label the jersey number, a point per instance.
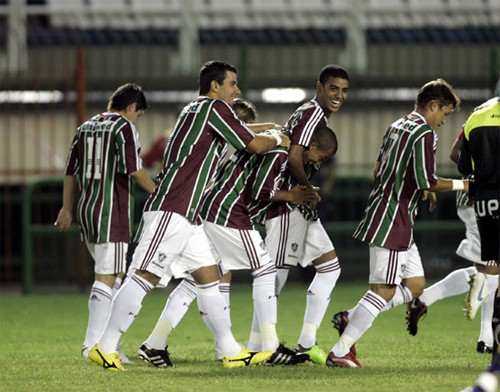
(93, 167)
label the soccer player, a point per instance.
(295, 234)
(484, 274)
(171, 242)
(153, 349)
(104, 160)
(480, 156)
(404, 169)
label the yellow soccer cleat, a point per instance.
(246, 358)
(109, 362)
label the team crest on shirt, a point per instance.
(263, 245)
(295, 246)
(162, 256)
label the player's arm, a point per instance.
(299, 194)
(65, 215)
(141, 177)
(446, 185)
(296, 165)
(263, 143)
(261, 127)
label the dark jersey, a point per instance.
(193, 152)
(104, 151)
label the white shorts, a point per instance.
(237, 249)
(293, 240)
(170, 245)
(470, 247)
(110, 258)
(391, 267)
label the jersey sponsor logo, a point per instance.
(487, 207)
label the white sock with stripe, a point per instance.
(360, 321)
(99, 305)
(402, 295)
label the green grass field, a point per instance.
(41, 338)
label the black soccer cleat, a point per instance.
(158, 358)
(285, 356)
(415, 310)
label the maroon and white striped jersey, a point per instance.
(104, 151)
(193, 152)
(406, 168)
(301, 126)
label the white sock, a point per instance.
(402, 295)
(265, 305)
(176, 307)
(215, 314)
(318, 299)
(360, 321)
(124, 309)
(99, 305)
(455, 283)
(281, 276)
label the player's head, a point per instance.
(128, 100)
(219, 80)
(245, 110)
(126, 95)
(332, 88)
(323, 146)
(435, 100)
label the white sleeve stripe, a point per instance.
(307, 134)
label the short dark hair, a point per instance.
(245, 110)
(128, 94)
(332, 70)
(325, 139)
(213, 70)
(437, 90)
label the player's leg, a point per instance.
(151, 258)
(382, 287)
(320, 250)
(101, 293)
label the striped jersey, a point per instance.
(480, 150)
(239, 197)
(104, 151)
(301, 126)
(406, 168)
(193, 152)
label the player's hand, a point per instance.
(285, 141)
(302, 194)
(314, 204)
(64, 219)
(431, 196)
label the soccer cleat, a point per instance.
(246, 358)
(415, 310)
(482, 348)
(340, 321)
(284, 356)
(109, 362)
(476, 295)
(158, 358)
(315, 353)
(349, 360)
